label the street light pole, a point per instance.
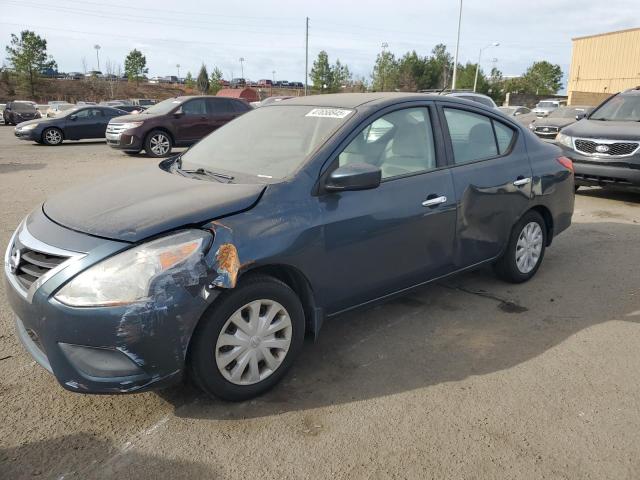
(455, 58)
(97, 47)
(475, 82)
(384, 62)
(241, 67)
(178, 67)
(306, 59)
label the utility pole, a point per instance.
(97, 47)
(306, 59)
(384, 62)
(241, 67)
(178, 67)
(455, 58)
(273, 80)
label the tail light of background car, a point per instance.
(565, 162)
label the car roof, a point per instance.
(354, 100)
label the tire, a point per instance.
(207, 364)
(530, 232)
(158, 144)
(52, 136)
(129, 152)
(576, 187)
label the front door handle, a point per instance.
(522, 181)
(435, 201)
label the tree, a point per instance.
(543, 78)
(417, 73)
(203, 80)
(321, 73)
(216, 81)
(442, 61)
(135, 65)
(28, 57)
(340, 76)
(188, 81)
(385, 73)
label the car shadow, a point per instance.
(69, 143)
(82, 456)
(630, 196)
(472, 324)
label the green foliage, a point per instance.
(188, 81)
(329, 78)
(215, 84)
(135, 66)
(203, 80)
(28, 57)
(543, 78)
(386, 72)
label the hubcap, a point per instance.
(529, 247)
(253, 342)
(53, 136)
(159, 144)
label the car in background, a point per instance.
(175, 122)
(145, 102)
(238, 82)
(271, 100)
(58, 108)
(130, 108)
(218, 262)
(548, 127)
(265, 82)
(79, 123)
(474, 97)
(82, 102)
(93, 74)
(74, 76)
(20, 111)
(605, 144)
(545, 107)
(519, 113)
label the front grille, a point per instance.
(32, 264)
(606, 148)
(546, 130)
(115, 128)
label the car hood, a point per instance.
(604, 129)
(30, 122)
(147, 202)
(553, 122)
(135, 117)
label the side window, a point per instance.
(95, 113)
(471, 136)
(240, 106)
(221, 106)
(504, 136)
(195, 107)
(400, 143)
(84, 113)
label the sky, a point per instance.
(270, 36)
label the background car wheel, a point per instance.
(246, 343)
(525, 251)
(158, 144)
(52, 136)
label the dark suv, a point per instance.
(605, 145)
(175, 122)
(19, 111)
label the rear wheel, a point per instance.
(52, 136)
(246, 343)
(158, 144)
(525, 251)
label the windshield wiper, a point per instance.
(221, 177)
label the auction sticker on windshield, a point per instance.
(328, 113)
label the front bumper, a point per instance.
(604, 171)
(123, 349)
(128, 140)
(29, 135)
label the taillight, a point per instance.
(565, 162)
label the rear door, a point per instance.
(492, 180)
(193, 123)
(400, 234)
(221, 111)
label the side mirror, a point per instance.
(178, 113)
(517, 113)
(580, 116)
(73, 117)
(355, 176)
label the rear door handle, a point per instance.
(435, 201)
(521, 181)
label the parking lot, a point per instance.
(466, 378)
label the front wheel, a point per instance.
(525, 251)
(246, 343)
(158, 144)
(52, 136)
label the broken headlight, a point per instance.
(127, 277)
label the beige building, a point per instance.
(602, 65)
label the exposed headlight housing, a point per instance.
(127, 277)
(565, 140)
(532, 126)
(130, 125)
(31, 126)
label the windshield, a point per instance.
(23, 107)
(71, 111)
(622, 108)
(564, 112)
(547, 105)
(267, 143)
(163, 107)
(507, 110)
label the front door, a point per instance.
(85, 123)
(492, 177)
(193, 122)
(400, 234)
